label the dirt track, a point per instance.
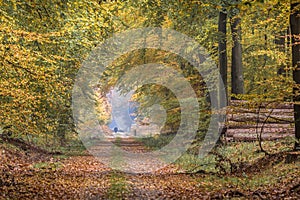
(84, 177)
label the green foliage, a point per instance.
(42, 45)
(48, 165)
(233, 156)
(262, 56)
(118, 187)
(156, 142)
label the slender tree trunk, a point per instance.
(237, 79)
(223, 68)
(295, 31)
(281, 45)
(223, 55)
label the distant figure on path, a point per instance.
(116, 129)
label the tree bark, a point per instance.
(295, 31)
(223, 55)
(237, 79)
(281, 45)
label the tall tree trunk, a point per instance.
(223, 55)
(295, 31)
(222, 66)
(281, 45)
(237, 79)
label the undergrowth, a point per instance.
(226, 158)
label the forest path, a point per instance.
(106, 183)
(30, 175)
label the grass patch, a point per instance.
(118, 186)
(273, 177)
(72, 148)
(156, 142)
(192, 163)
(233, 154)
(117, 141)
(47, 165)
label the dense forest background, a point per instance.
(44, 43)
(255, 46)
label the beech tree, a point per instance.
(237, 79)
(223, 48)
(42, 46)
(295, 31)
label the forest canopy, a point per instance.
(43, 44)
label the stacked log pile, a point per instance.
(266, 121)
